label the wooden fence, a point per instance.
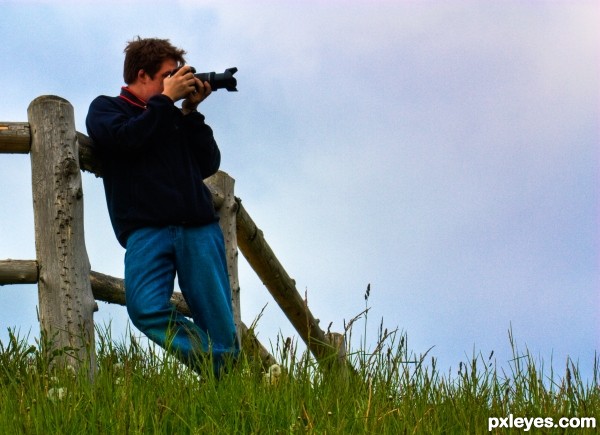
(68, 288)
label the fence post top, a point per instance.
(48, 98)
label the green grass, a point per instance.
(139, 390)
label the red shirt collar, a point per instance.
(131, 98)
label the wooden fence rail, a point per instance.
(62, 271)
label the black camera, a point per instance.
(224, 80)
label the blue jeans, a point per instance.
(197, 256)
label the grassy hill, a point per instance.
(140, 390)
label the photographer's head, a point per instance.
(149, 55)
(148, 67)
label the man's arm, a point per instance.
(111, 123)
(200, 135)
(202, 143)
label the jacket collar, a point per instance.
(131, 98)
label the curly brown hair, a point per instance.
(149, 54)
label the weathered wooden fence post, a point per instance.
(66, 302)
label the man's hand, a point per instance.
(199, 94)
(180, 85)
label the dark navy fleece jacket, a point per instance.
(154, 161)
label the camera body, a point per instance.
(224, 80)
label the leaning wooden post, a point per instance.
(223, 183)
(283, 288)
(66, 302)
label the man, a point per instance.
(155, 157)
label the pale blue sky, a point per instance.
(444, 151)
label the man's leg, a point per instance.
(149, 281)
(204, 282)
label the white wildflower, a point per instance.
(58, 393)
(272, 377)
(71, 370)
